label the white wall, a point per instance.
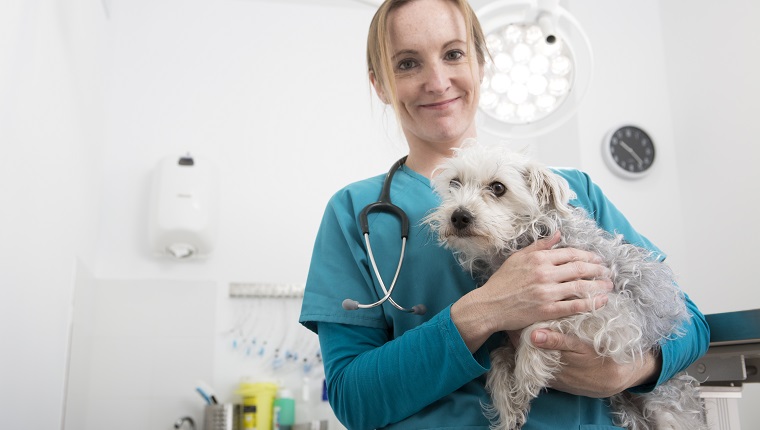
(138, 348)
(273, 92)
(267, 94)
(712, 71)
(629, 87)
(51, 137)
(712, 80)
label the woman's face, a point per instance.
(437, 86)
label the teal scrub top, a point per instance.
(391, 369)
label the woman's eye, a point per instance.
(497, 188)
(406, 64)
(454, 183)
(454, 55)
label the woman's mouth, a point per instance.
(440, 105)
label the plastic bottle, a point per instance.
(259, 395)
(284, 410)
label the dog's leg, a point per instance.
(674, 405)
(627, 410)
(534, 368)
(498, 382)
(513, 390)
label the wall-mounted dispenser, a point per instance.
(184, 207)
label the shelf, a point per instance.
(259, 290)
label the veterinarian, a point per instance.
(387, 368)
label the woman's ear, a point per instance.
(378, 87)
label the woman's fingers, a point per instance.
(540, 283)
(576, 306)
(544, 267)
(582, 289)
(580, 270)
(560, 307)
(562, 264)
(545, 243)
(562, 256)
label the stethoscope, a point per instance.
(383, 204)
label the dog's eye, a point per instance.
(454, 183)
(497, 188)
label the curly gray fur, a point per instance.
(643, 286)
(645, 307)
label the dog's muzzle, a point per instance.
(461, 219)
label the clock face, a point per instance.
(629, 151)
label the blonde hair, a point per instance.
(379, 51)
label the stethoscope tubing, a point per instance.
(384, 204)
(388, 291)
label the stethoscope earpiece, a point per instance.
(384, 204)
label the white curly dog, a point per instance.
(496, 202)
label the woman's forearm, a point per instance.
(373, 382)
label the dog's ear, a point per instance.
(549, 188)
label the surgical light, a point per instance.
(538, 70)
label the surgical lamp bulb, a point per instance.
(526, 78)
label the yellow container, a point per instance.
(258, 397)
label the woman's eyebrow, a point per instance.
(413, 52)
(453, 42)
(404, 52)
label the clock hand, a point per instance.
(632, 152)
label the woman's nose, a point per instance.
(437, 79)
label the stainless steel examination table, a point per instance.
(731, 361)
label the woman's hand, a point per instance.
(537, 283)
(585, 373)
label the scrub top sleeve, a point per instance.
(373, 381)
(680, 352)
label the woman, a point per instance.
(392, 369)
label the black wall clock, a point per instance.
(628, 151)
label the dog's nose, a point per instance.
(461, 219)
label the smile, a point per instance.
(440, 105)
